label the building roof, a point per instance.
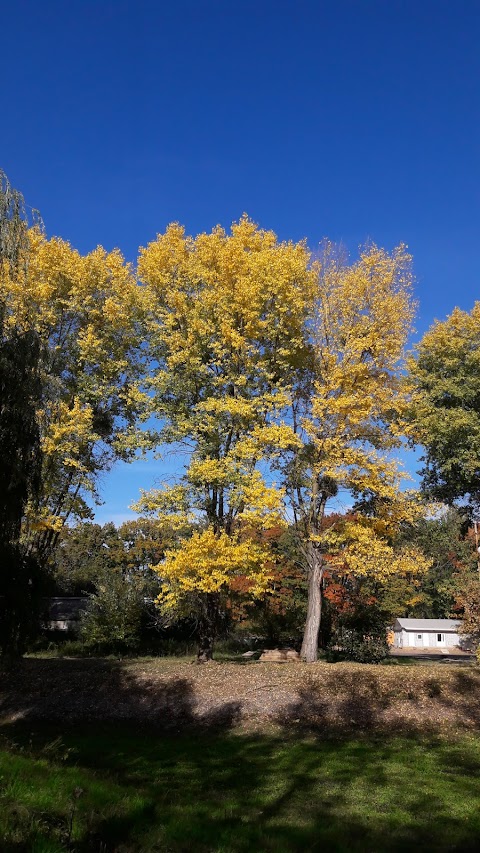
(61, 608)
(443, 625)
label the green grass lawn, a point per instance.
(115, 789)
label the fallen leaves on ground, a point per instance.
(173, 694)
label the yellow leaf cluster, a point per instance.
(67, 433)
(171, 507)
(86, 311)
(209, 563)
(226, 308)
(351, 400)
(364, 317)
(362, 551)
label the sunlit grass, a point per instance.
(124, 791)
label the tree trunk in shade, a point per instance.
(207, 629)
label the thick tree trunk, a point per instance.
(13, 647)
(205, 648)
(309, 650)
(21, 587)
(207, 629)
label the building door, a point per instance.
(440, 639)
(426, 641)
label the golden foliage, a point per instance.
(211, 563)
(226, 315)
(349, 404)
(87, 311)
(364, 316)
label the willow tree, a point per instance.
(226, 324)
(347, 408)
(19, 359)
(20, 455)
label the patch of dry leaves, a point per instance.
(174, 694)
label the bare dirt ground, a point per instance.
(453, 654)
(174, 694)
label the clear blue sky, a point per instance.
(351, 119)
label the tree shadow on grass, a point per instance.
(240, 792)
(353, 701)
(159, 772)
(343, 703)
(80, 690)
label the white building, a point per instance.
(427, 633)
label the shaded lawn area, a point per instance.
(173, 694)
(121, 788)
(106, 756)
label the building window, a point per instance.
(419, 636)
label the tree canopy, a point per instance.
(347, 404)
(85, 313)
(278, 374)
(445, 408)
(226, 319)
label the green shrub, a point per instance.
(113, 616)
(352, 644)
(360, 636)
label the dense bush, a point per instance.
(360, 636)
(113, 615)
(352, 644)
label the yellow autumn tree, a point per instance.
(267, 362)
(226, 314)
(347, 407)
(86, 313)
